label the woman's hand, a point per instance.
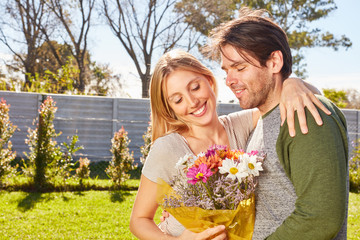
(295, 96)
(215, 233)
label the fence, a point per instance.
(95, 119)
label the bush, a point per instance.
(83, 171)
(354, 167)
(44, 150)
(122, 161)
(147, 144)
(7, 129)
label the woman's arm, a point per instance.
(295, 96)
(143, 226)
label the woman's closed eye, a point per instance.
(177, 100)
(240, 69)
(195, 87)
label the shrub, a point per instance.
(147, 144)
(122, 161)
(354, 167)
(44, 150)
(65, 165)
(7, 129)
(83, 171)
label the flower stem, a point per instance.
(208, 193)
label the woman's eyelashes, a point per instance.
(195, 87)
(178, 100)
(240, 69)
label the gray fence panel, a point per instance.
(23, 111)
(134, 116)
(352, 120)
(226, 108)
(96, 119)
(88, 117)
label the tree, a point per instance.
(48, 61)
(353, 97)
(146, 28)
(20, 26)
(338, 97)
(294, 16)
(69, 15)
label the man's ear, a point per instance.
(276, 61)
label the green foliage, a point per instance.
(7, 129)
(354, 168)
(8, 85)
(44, 151)
(65, 165)
(147, 144)
(337, 97)
(50, 82)
(293, 16)
(122, 161)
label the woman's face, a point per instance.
(191, 97)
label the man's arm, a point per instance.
(316, 164)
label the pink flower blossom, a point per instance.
(201, 173)
(253, 153)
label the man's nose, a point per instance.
(230, 78)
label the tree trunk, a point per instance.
(145, 79)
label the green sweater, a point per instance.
(317, 165)
(303, 190)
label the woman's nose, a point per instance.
(193, 100)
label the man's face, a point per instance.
(251, 83)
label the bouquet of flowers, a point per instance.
(214, 188)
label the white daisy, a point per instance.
(233, 169)
(252, 167)
(183, 161)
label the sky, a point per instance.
(326, 68)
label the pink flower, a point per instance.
(253, 153)
(201, 173)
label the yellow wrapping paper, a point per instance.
(239, 223)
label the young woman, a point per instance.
(185, 121)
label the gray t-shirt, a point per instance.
(167, 150)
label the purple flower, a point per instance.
(201, 173)
(212, 150)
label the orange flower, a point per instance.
(234, 155)
(213, 162)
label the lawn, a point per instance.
(88, 215)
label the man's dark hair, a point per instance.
(254, 34)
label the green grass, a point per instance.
(354, 217)
(68, 215)
(89, 215)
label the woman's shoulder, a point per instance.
(242, 115)
(163, 155)
(167, 144)
(166, 140)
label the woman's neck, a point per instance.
(200, 138)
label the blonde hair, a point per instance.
(163, 118)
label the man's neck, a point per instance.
(273, 98)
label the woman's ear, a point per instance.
(276, 61)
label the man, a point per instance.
(303, 190)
